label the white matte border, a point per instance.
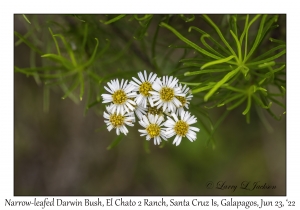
(9, 8)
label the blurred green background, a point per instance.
(63, 152)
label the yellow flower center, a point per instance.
(181, 128)
(166, 94)
(153, 130)
(145, 88)
(119, 97)
(116, 120)
(154, 110)
(182, 99)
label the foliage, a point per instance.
(238, 62)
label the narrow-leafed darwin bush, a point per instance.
(162, 73)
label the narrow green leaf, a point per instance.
(192, 44)
(24, 16)
(91, 60)
(260, 103)
(220, 34)
(269, 26)
(208, 46)
(238, 45)
(66, 63)
(277, 41)
(246, 29)
(58, 75)
(115, 142)
(71, 89)
(263, 119)
(51, 23)
(144, 29)
(78, 18)
(211, 38)
(68, 48)
(248, 105)
(233, 24)
(85, 35)
(192, 59)
(179, 63)
(283, 89)
(257, 39)
(81, 85)
(273, 115)
(227, 86)
(55, 41)
(277, 102)
(205, 71)
(186, 19)
(202, 89)
(29, 44)
(268, 59)
(248, 117)
(237, 103)
(234, 97)
(145, 17)
(268, 52)
(191, 83)
(153, 49)
(114, 19)
(97, 78)
(70, 95)
(94, 103)
(224, 60)
(264, 65)
(20, 41)
(32, 62)
(103, 49)
(192, 64)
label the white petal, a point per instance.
(140, 74)
(136, 80)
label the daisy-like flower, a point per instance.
(144, 85)
(165, 93)
(155, 111)
(185, 100)
(121, 95)
(139, 111)
(152, 125)
(181, 128)
(118, 120)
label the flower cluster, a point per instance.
(158, 103)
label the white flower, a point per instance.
(155, 111)
(118, 121)
(181, 128)
(152, 125)
(144, 85)
(140, 111)
(184, 99)
(165, 92)
(121, 96)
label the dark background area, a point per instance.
(61, 152)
